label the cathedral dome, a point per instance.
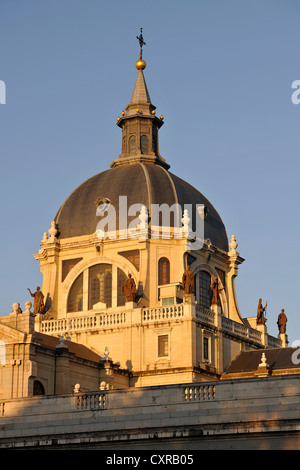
(143, 183)
(139, 173)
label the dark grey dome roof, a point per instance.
(143, 183)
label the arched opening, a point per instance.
(202, 289)
(132, 144)
(144, 144)
(121, 280)
(38, 388)
(104, 289)
(163, 271)
(75, 297)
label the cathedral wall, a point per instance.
(256, 413)
(230, 350)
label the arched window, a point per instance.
(132, 144)
(104, 289)
(121, 280)
(163, 271)
(144, 144)
(75, 298)
(38, 388)
(202, 289)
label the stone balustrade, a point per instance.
(111, 318)
(91, 401)
(230, 414)
(93, 321)
(163, 313)
(200, 392)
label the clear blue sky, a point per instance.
(219, 71)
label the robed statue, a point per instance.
(188, 281)
(129, 289)
(261, 320)
(214, 290)
(38, 303)
(281, 322)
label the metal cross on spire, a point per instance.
(142, 43)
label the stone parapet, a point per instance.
(244, 413)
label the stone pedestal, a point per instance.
(264, 334)
(284, 340)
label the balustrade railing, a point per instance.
(233, 327)
(99, 320)
(200, 393)
(84, 322)
(163, 313)
(205, 315)
(91, 401)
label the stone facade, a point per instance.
(41, 352)
(257, 413)
(93, 366)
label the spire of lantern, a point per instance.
(139, 123)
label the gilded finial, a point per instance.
(141, 64)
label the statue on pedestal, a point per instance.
(281, 322)
(188, 281)
(261, 320)
(129, 289)
(38, 303)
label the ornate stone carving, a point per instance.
(233, 246)
(52, 230)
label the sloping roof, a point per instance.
(80, 351)
(277, 359)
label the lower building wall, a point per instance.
(258, 413)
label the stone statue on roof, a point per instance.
(261, 319)
(281, 322)
(38, 303)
